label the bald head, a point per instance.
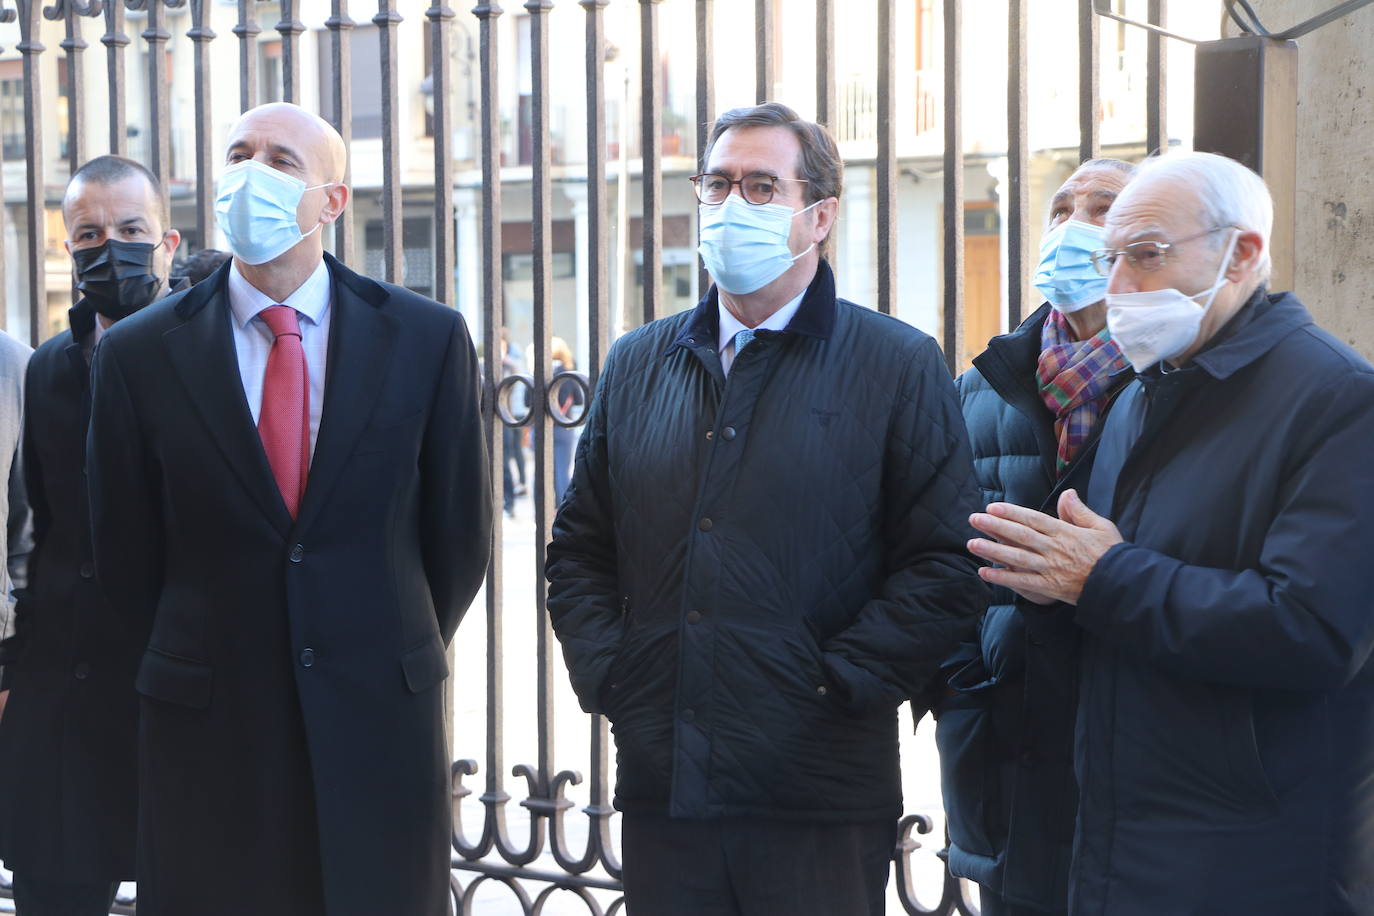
(291, 139)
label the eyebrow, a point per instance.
(274, 148)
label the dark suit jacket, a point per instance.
(68, 789)
(292, 730)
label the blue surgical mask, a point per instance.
(1066, 276)
(256, 209)
(744, 245)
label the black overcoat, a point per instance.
(748, 575)
(1005, 721)
(1225, 735)
(292, 741)
(68, 782)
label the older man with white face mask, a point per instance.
(1221, 577)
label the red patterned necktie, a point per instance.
(284, 420)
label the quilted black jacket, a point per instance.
(749, 576)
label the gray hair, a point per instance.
(1228, 193)
(1120, 165)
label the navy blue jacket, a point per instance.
(1225, 735)
(1004, 727)
(748, 575)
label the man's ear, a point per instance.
(827, 211)
(172, 239)
(1247, 255)
(335, 202)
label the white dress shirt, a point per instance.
(730, 326)
(253, 339)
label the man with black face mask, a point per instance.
(68, 788)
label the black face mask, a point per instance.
(117, 277)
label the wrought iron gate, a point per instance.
(485, 850)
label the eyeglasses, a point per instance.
(1146, 255)
(758, 188)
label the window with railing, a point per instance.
(12, 109)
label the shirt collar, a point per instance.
(310, 299)
(814, 317)
(730, 325)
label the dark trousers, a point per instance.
(991, 904)
(749, 867)
(37, 897)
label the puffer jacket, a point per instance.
(749, 575)
(1004, 727)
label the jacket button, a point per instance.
(297, 553)
(307, 658)
(728, 433)
(704, 524)
(87, 570)
(81, 671)
(822, 690)
(710, 434)
(694, 616)
(688, 715)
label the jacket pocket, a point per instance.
(968, 777)
(174, 679)
(424, 665)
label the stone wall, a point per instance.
(1335, 170)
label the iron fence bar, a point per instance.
(1089, 82)
(290, 29)
(71, 11)
(247, 31)
(651, 173)
(341, 88)
(115, 41)
(954, 185)
(826, 111)
(30, 48)
(1018, 155)
(887, 158)
(388, 21)
(441, 79)
(494, 798)
(3, 276)
(764, 51)
(598, 809)
(706, 101)
(541, 225)
(598, 231)
(159, 110)
(1156, 83)
(201, 35)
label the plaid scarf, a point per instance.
(1073, 376)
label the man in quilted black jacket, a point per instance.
(762, 554)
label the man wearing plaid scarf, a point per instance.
(1034, 403)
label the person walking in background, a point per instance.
(761, 554)
(289, 496)
(1034, 402)
(568, 394)
(513, 484)
(68, 755)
